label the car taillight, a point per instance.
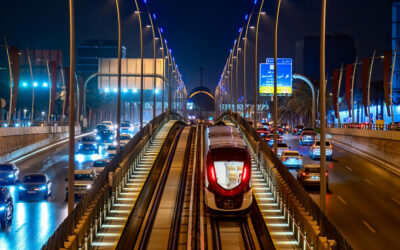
(283, 158)
(303, 174)
(301, 137)
(326, 173)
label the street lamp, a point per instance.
(119, 78)
(141, 64)
(256, 67)
(276, 77)
(47, 84)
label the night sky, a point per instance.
(200, 33)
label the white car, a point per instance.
(291, 159)
(109, 124)
(124, 139)
(315, 150)
(281, 148)
(83, 182)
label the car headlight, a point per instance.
(2, 208)
(11, 176)
(111, 137)
(95, 130)
(98, 137)
(42, 187)
(21, 188)
(89, 186)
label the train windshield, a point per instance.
(228, 173)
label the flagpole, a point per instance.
(369, 88)
(11, 83)
(391, 85)
(338, 96)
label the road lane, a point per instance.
(361, 202)
(35, 220)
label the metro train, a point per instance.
(227, 170)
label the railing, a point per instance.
(284, 185)
(383, 127)
(96, 203)
(28, 123)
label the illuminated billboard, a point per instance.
(285, 77)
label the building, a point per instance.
(340, 49)
(395, 43)
(90, 51)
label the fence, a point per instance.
(286, 184)
(102, 194)
(28, 123)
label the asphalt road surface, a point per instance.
(35, 220)
(363, 200)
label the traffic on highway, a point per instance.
(33, 191)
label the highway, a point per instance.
(363, 200)
(35, 220)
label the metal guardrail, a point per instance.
(285, 184)
(366, 126)
(96, 203)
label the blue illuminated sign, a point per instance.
(285, 77)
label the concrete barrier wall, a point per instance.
(383, 145)
(378, 134)
(20, 141)
(32, 130)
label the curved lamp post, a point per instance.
(276, 77)
(141, 65)
(119, 78)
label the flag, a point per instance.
(335, 84)
(66, 76)
(15, 71)
(349, 75)
(53, 73)
(387, 61)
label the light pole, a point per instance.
(155, 64)
(322, 87)
(141, 65)
(33, 86)
(244, 61)
(71, 160)
(119, 77)
(256, 67)
(276, 78)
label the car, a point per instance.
(105, 136)
(6, 207)
(124, 139)
(280, 130)
(263, 132)
(297, 130)
(307, 137)
(83, 182)
(281, 147)
(99, 165)
(315, 150)
(35, 185)
(88, 144)
(9, 173)
(126, 128)
(100, 127)
(270, 140)
(109, 125)
(309, 175)
(291, 159)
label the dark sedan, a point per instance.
(6, 207)
(9, 173)
(35, 185)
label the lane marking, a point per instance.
(395, 200)
(369, 227)
(349, 168)
(369, 182)
(341, 199)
